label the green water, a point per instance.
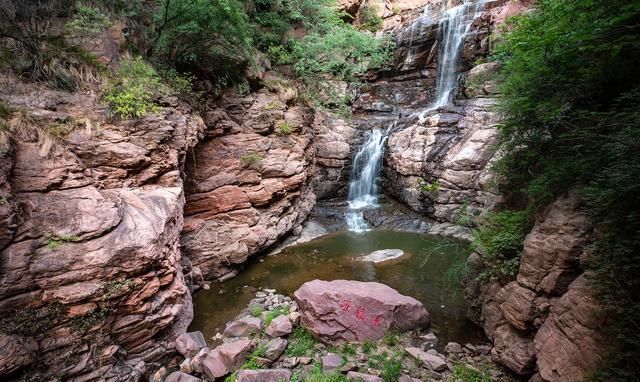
(427, 273)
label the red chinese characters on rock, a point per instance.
(360, 313)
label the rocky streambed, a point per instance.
(344, 330)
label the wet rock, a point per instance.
(354, 376)
(226, 358)
(383, 255)
(178, 376)
(342, 310)
(243, 327)
(275, 348)
(331, 361)
(279, 326)
(190, 344)
(272, 375)
(430, 361)
(453, 347)
(430, 341)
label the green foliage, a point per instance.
(301, 343)
(499, 240)
(464, 373)
(131, 92)
(31, 321)
(200, 31)
(317, 375)
(391, 338)
(369, 18)
(87, 21)
(86, 322)
(464, 216)
(284, 128)
(115, 288)
(54, 242)
(270, 315)
(5, 110)
(571, 97)
(256, 310)
(425, 186)
(348, 349)
(391, 370)
(251, 160)
(368, 347)
(252, 361)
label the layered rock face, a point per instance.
(547, 321)
(248, 181)
(92, 280)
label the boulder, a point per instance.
(190, 344)
(453, 347)
(243, 327)
(383, 255)
(430, 361)
(269, 375)
(343, 310)
(355, 376)
(226, 358)
(331, 361)
(178, 376)
(275, 348)
(279, 326)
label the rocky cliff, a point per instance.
(92, 284)
(547, 321)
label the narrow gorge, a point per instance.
(298, 191)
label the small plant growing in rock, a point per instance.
(369, 347)
(273, 105)
(465, 373)
(256, 310)
(428, 187)
(115, 288)
(390, 338)
(31, 321)
(301, 343)
(251, 160)
(86, 322)
(273, 314)
(348, 349)
(284, 128)
(87, 21)
(391, 369)
(54, 242)
(131, 92)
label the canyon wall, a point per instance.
(547, 321)
(92, 286)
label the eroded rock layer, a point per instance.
(92, 280)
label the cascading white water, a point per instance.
(363, 191)
(453, 28)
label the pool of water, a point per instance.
(427, 272)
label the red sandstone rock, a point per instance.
(569, 344)
(430, 361)
(226, 358)
(279, 326)
(243, 327)
(342, 310)
(190, 344)
(270, 375)
(355, 376)
(15, 353)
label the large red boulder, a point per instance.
(343, 310)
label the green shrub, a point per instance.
(301, 343)
(131, 92)
(256, 310)
(87, 21)
(252, 361)
(284, 128)
(499, 240)
(369, 347)
(391, 338)
(270, 315)
(251, 160)
(369, 18)
(428, 187)
(464, 373)
(391, 370)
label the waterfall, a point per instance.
(363, 191)
(453, 28)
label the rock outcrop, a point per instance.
(342, 310)
(92, 275)
(547, 321)
(248, 181)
